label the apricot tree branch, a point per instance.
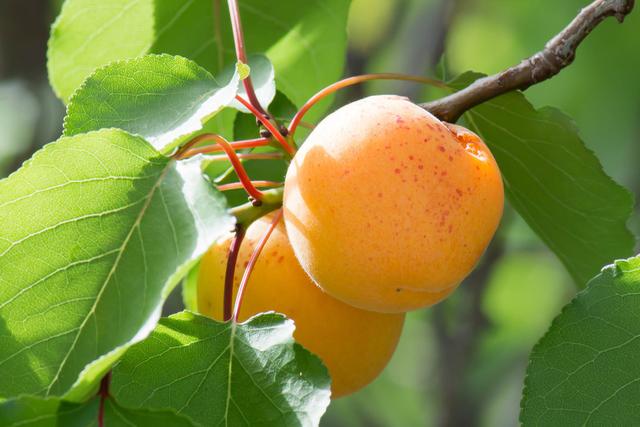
(559, 52)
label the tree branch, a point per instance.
(559, 52)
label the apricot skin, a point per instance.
(387, 208)
(354, 344)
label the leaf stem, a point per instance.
(267, 124)
(238, 39)
(238, 185)
(187, 151)
(232, 259)
(248, 156)
(252, 262)
(103, 392)
(251, 190)
(350, 81)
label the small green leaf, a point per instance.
(262, 79)
(95, 231)
(243, 70)
(29, 411)
(158, 97)
(554, 182)
(225, 373)
(585, 371)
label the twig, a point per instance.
(247, 213)
(559, 52)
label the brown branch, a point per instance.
(559, 52)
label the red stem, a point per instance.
(248, 156)
(252, 262)
(104, 395)
(235, 162)
(350, 81)
(238, 185)
(267, 124)
(234, 250)
(238, 38)
(236, 145)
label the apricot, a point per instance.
(354, 344)
(388, 208)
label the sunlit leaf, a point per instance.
(158, 97)
(225, 373)
(95, 231)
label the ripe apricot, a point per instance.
(388, 208)
(354, 344)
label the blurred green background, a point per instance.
(462, 362)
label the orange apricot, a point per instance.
(354, 344)
(388, 208)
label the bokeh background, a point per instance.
(461, 363)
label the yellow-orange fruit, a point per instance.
(354, 344)
(388, 208)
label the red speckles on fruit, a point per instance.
(422, 215)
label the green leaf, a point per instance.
(29, 411)
(158, 97)
(554, 182)
(306, 41)
(116, 416)
(91, 33)
(95, 231)
(585, 370)
(225, 373)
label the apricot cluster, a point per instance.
(387, 209)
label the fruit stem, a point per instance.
(187, 151)
(231, 271)
(103, 392)
(247, 213)
(238, 185)
(251, 190)
(238, 39)
(267, 124)
(350, 81)
(252, 262)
